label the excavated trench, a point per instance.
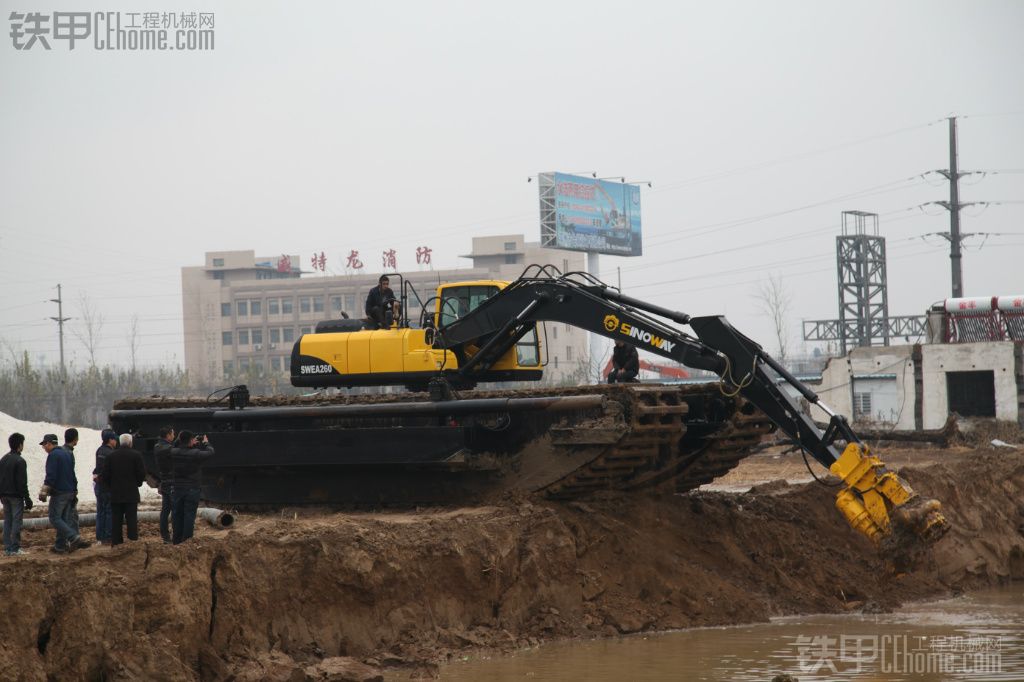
(326, 595)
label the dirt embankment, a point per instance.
(279, 598)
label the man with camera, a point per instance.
(187, 457)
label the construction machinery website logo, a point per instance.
(612, 323)
(967, 657)
(113, 31)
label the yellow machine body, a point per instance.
(404, 355)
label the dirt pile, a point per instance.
(289, 599)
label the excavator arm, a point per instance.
(873, 497)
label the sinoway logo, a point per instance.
(647, 337)
(316, 369)
(611, 323)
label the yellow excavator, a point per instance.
(443, 439)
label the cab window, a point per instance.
(528, 350)
(458, 301)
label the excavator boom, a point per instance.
(872, 492)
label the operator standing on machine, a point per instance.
(381, 306)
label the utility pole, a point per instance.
(954, 206)
(60, 320)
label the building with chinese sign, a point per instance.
(243, 313)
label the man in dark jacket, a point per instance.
(187, 458)
(61, 484)
(625, 363)
(381, 305)
(14, 493)
(100, 487)
(162, 452)
(70, 443)
(123, 473)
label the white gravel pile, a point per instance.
(35, 456)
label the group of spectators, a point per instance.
(119, 472)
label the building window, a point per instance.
(511, 259)
(568, 353)
(972, 394)
(219, 274)
(275, 335)
(229, 368)
(257, 364)
(218, 262)
(305, 330)
(862, 406)
(350, 304)
(286, 306)
(336, 305)
(243, 364)
(225, 310)
(243, 337)
(255, 307)
(304, 304)
(554, 331)
(257, 336)
(242, 308)
(275, 363)
(225, 338)
(273, 306)
(556, 362)
(318, 304)
(288, 334)
(510, 246)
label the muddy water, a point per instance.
(976, 637)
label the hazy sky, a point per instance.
(341, 125)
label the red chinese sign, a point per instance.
(423, 255)
(353, 261)
(319, 262)
(284, 264)
(389, 260)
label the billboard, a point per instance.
(587, 214)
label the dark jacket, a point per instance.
(101, 456)
(186, 464)
(123, 473)
(13, 476)
(60, 471)
(162, 453)
(626, 357)
(378, 298)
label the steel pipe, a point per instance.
(214, 517)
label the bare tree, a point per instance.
(774, 301)
(92, 325)
(133, 340)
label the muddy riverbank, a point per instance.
(293, 595)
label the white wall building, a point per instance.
(919, 386)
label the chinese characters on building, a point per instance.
(319, 261)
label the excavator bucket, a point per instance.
(885, 509)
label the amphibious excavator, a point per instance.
(434, 437)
